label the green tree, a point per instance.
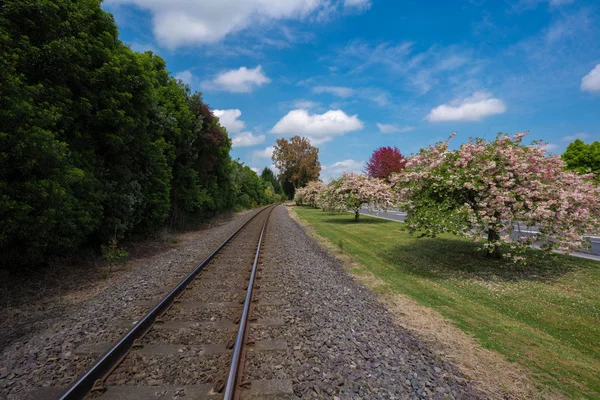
(50, 197)
(583, 158)
(97, 142)
(268, 176)
(250, 189)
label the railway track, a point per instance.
(194, 342)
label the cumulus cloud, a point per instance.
(196, 22)
(186, 77)
(241, 80)
(229, 119)
(473, 108)
(246, 139)
(274, 169)
(318, 128)
(389, 128)
(591, 82)
(339, 91)
(551, 147)
(338, 168)
(266, 153)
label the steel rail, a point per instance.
(232, 379)
(105, 364)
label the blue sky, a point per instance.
(354, 75)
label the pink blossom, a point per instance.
(488, 187)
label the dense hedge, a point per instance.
(98, 142)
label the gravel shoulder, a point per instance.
(46, 354)
(341, 341)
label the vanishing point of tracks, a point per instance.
(194, 342)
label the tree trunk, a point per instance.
(493, 237)
(356, 215)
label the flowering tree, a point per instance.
(310, 194)
(485, 190)
(299, 196)
(385, 161)
(352, 191)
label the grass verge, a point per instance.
(543, 316)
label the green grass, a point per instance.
(544, 315)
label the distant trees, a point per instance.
(249, 188)
(297, 161)
(98, 142)
(583, 158)
(268, 176)
(485, 189)
(384, 161)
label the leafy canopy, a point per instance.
(583, 158)
(484, 190)
(384, 161)
(351, 191)
(297, 161)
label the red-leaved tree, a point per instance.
(384, 161)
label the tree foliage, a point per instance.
(309, 195)
(384, 161)
(583, 158)
(351, 192)
(97, 142)
(268, 175)
(485, 189)
(297, 161)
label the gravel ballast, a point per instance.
(341, 342)
(338, 341)
(49, 358)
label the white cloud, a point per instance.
(473, 108)
(318, 128)
(274, 169)
(229, 119)
(591, 82)
(389, 128)
(241, 80)
(179, 23)
(266, 153)
(255, 169)
(339, 91)
(186, 77)
(338, 168)
(246, 139)
(576, 136)
(551, 147)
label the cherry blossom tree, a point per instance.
(484, 190)
(300, 196)
(310, 194)
(352, 191)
